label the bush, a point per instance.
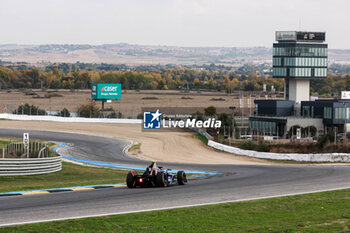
(89, 110)
(250, 145)
(263, 147)
(64, 113)
(115, 114)
(217, 99)
(324, 139)
(149, 98)
(247, 145)
(49, 95)
(29, 110)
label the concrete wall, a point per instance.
(327, 157)
(299, 90)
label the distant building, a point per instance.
(299, 57)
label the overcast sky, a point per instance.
(229, 23)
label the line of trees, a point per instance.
(162, 79)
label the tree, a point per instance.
(88, 110)
(196, 83)
(210, 111)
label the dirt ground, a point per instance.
(160, 146)
(130, 103)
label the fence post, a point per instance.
(3, 153)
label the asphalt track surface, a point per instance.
(238, 183)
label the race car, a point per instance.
(154, 176)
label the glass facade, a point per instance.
(342, 113)
(266, 127)
(327, 112)
(300, 52)
(300, 60)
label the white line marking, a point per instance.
(173, 207)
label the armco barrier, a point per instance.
(67, 119)
(21, 167)
(203, 133)
(326, 157)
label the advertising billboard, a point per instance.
(106, 91)
(345, 95)
(300, 36)
(311, 36)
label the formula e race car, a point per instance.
(154, 176)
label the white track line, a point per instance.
(173, 207)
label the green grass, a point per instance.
(319, 212)
(71, 175)
(5, 141)
(203, 139)
(135, 147)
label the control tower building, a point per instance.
(298, 57)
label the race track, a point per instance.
(238, 182)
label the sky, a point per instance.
(222, 23)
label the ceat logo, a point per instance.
(103, 89)
(152, 120)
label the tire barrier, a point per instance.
(31, 166)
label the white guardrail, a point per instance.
(67, 119)
(21, 167)
(324, 157)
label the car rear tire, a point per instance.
(130, 180)
(181, 178)
(162, 179)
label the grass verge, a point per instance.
(200, 137)
(70, 175)
(135, 147)
(319, 212)
(5, 141)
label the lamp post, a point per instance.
(233, 125)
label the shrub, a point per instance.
(89, 110)
(64, 113)
(324, 139)
(263, 147)
(247, 145)
(217, 99)
(115, 114)
(49, 95)
(250, 145)
(29, 110)
(149, 98)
